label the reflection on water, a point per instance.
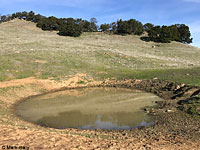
(76, 119)
(102, 108)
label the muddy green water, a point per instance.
(89, 108)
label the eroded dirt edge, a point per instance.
(172, 130)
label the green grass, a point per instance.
(81, 82)
(189, 76)
(191, 106)
(27, 51)
(6, 89)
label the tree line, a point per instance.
(166, 34)
(75, 27)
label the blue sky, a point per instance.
(158, 12)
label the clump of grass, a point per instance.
(12, 88)
(81, 82)
(191, 106)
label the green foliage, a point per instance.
(86, 26)
(65, 26)
(192, 110)
(184, 33)
(21, 15)
(154, 33)
(136, 27)
(93, 26)
(37, 18)
(130, 27)
(174, 33)
(113, 27)
(105, 27)
(81, 82)
(122, 27)
(148, 26)
(50, 23)
(165, 34)
(191, 105)
(3, 18)
(70, 28)
(30, 16)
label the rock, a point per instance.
(168, 110)
(178, 95)
(182, 85)
(178, 87)
(196, 93)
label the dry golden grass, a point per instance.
(23, 47)
(27, 51)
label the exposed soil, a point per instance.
(47, 83)
(172, 130)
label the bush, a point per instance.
(70, 29)
(105, 27)
(130, 27)
(165, 34)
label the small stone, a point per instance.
(182, 85)
(178, 87)
(168, 110)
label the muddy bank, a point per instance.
(173, 129)
(164, 89)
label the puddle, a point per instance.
(90, 108)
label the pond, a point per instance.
(89, 108)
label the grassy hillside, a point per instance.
(26, 50)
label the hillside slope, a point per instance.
(26, 50)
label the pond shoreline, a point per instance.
(173, 128)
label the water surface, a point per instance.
(89, 108)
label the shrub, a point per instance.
(70, 29)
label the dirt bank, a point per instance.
(172, 130)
